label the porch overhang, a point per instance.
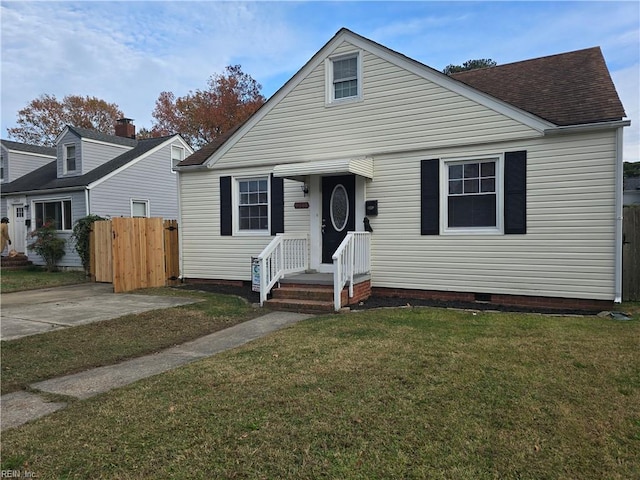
(298, 171)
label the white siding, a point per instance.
(95, 154)
(89, 154)
(148, 179)
(568, 250)
(18, 164)
(207, 254)
(399, 109)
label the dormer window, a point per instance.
(344, 78)
(69, 158)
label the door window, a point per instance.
(339, 207)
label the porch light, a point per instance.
(305, 189)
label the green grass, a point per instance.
(35, 277)
(395, 393)
(40, 357)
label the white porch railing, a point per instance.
(286, 254)
(353, 257)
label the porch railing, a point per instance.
(286, 254)
(353, 257)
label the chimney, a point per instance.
(124, 128)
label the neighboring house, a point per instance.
(631, 191)
(501, 184)
(95, 173)
(17, 160)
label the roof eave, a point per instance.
(587, 127)
(45, 191)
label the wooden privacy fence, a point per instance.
(135, 253)
(631, 254)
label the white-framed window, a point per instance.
(472, 200)
(2, 168)
(252, 205)
(69, 158)
(57, 212)
(139, 208)
(177, 155)
(344, 78)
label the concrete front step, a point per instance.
(302, 306)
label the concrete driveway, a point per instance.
(38, 311)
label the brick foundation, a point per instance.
(209, 281)
(523, 301)
(361, 291)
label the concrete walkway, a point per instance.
(21, 407)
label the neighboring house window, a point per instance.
(471, 194)
(57, 211)
(177, 155)
(2, 168)
(344, 78)
(140, 208)
(253, 204)
(69, 158)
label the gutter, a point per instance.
(586, 127)
(618, 216)
(191, 168)
(42, 192)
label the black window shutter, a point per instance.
(515, 195)
(226, 207)
(277, 205)
(430, 197)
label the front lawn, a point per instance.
(35, 277)
(395, 393)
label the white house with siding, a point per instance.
(94, 173)
(501, 185)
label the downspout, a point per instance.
(87, 205)
(618, 213)
(180, 242)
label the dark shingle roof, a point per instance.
(103, 137)
(27, 148)
(45, 178)
(201, 156)
(566, 89)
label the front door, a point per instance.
(19, 234)
(338, 212)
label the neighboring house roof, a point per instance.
(631, 184)
(25, 147)
(45, 178)
(96, 135)
(566, 89)
(571, 88)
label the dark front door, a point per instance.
(338, 212)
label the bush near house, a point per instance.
(48, 245)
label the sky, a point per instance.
(128, 52)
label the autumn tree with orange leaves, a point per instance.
(204, 115)
(42, 120)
